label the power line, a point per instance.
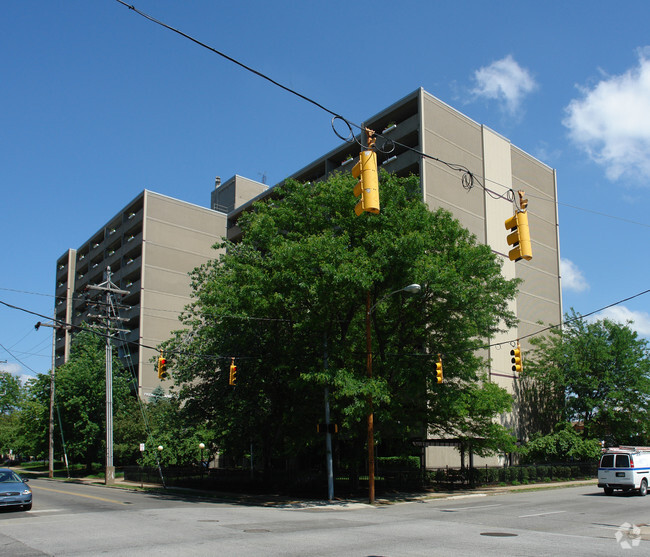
(17, 358)
(468, 179)
(220, 357)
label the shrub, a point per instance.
(398, 462)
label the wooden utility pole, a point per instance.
(109, 317)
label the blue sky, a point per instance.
(99, 104)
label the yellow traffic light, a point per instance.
(516, 358)
(519, 237)
(439, 370)
(233, 372)
(368, 185)
(162, 367)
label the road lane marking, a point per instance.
(473, 507)
(80, 495)
(33, 511)
(540, 514)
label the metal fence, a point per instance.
(346, 483)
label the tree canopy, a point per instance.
(294, 290)
(596, 373)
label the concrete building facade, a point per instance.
(421, 123)
(153, 243)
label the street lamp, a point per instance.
(410, 289)
(201, 447)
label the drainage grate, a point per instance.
(499, 534)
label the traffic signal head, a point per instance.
(519, 238)
(162, 368)
(233, 373)
(516, 358)
(368, 185)
(439, 370)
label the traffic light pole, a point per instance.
(411, 289)
(328, 433)
(371, 417)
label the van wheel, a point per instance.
(643, 488)
(608, 490)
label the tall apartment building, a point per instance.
(155, 241)
(427, 125)
(151, 245)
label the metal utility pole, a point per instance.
(109, 317)
(328, 434)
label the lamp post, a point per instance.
(411, 289)
(201, 447)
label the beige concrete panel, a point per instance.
(185, 237)
(176, 212)
(164, 257)
(542, 230)
(534, 309)
(440, 147)
(533, 173)
(444, 190)
(542, 283)
(468, 220)
(498, 169)
(441, 457)
(164, 280)
(456, 128)
(246, 189)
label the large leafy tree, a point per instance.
(11, 398)
(10, 393)
(296, 287)
(81, 402)
(596, 373)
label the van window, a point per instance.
(607, 461)
(622, 461)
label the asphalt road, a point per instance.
(74, 519)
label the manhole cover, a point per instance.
(256, 531)
(498, 534)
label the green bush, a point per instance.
(398, 462)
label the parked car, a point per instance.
(14, 491)
(625, 468)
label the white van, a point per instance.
(625, 468)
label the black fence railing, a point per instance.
(346, 483)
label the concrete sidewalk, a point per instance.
(277, 499)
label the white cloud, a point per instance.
(572, 277)
(611, 122)
(506, 81)
(620, 314)
(16, 370)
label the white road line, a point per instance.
(540, 514)
(46, 511)
(474, 507)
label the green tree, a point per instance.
(10, 393)
(597, 373)
(299, 279)
(81, 402)
(81, 396)
(11, 397)
(159, 422)
(563, 445)
(30, 436)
